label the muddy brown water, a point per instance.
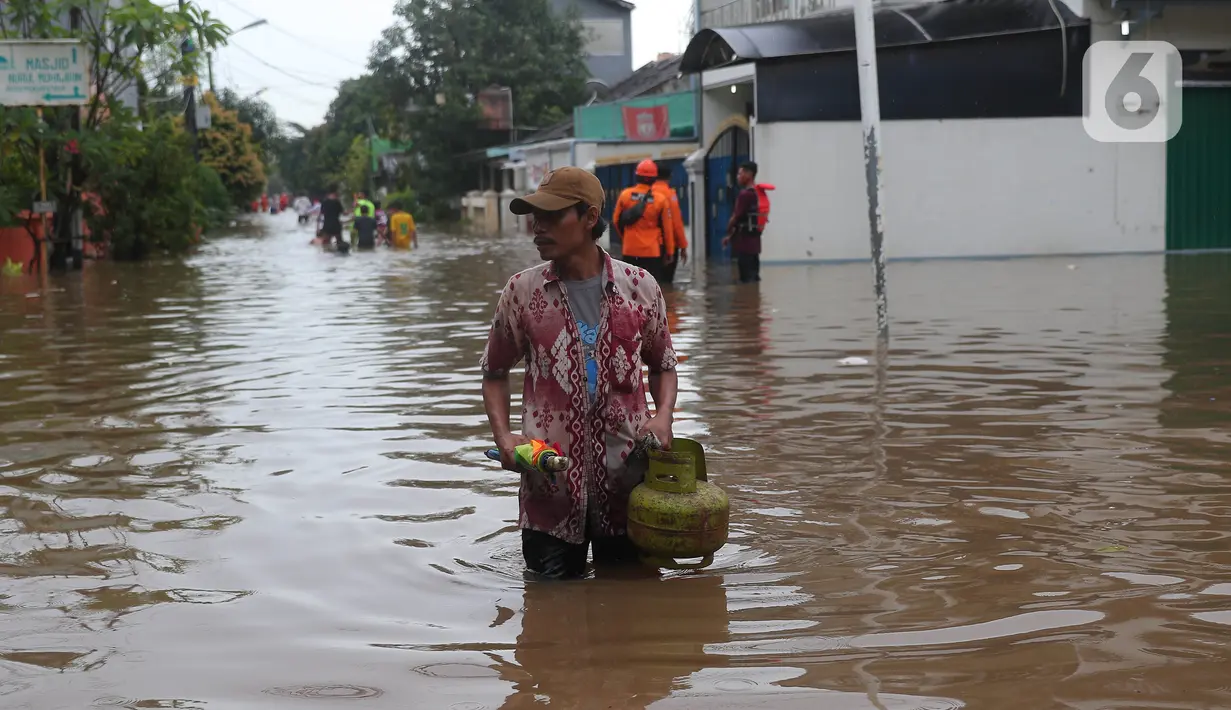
(254, 479)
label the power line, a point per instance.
(298, 37)
(275, 89)
(280, 70)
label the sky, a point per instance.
(309, 46)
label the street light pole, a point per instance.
(371, 159)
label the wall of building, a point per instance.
(610, 62)
(541, 159)
(961, 188)
(719, 104)
(609, 153)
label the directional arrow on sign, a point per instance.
(54, 97)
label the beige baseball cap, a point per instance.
(561, 188)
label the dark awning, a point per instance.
(895, 26)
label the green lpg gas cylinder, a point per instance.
(676, 512)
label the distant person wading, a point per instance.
(644, 220)
(331, 219)
(681, 238)
(365, 228)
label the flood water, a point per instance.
(254, 479)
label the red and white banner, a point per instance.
(646, 123)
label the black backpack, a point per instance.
(633, 214)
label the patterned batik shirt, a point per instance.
(533, 321)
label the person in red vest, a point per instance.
(748, 221)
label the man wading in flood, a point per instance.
(743, 227)
(585, 324)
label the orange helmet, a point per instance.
(647, 168)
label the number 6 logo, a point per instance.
(1132, 92)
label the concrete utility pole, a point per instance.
(371, 159)
(870, 110)
(190, 111)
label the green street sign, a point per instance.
(44, 73)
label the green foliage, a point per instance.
(150, 187)
(147, 181)
(428, 67)
(257, 113)
(19, 132)
(214, 197)
(404, 199)
(228, 148)
(354, 175)
(10, 204)
(315, 159)
(439, 54)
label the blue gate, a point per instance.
(721, 166)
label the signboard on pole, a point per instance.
(44, 73)
(204, 122)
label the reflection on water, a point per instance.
(254, 479)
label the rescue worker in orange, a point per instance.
(643, 219)
(681, 237)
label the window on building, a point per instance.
(605, 38)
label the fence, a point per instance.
(751, 12)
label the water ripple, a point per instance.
(254, 478)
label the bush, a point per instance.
(213, 196)
(10, 204)
(227, 147)
(150, 188)
(18, 173)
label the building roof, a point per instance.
(647, 78)
(896, 25)
(563, 129)
(624, 4)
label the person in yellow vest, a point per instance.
(681, 235)
(643, 219)
(402, 230)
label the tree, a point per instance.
(355, 169)
(314, 160)
(229, 148)
(439, 54)
(257, 113)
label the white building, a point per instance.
(985, 150)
